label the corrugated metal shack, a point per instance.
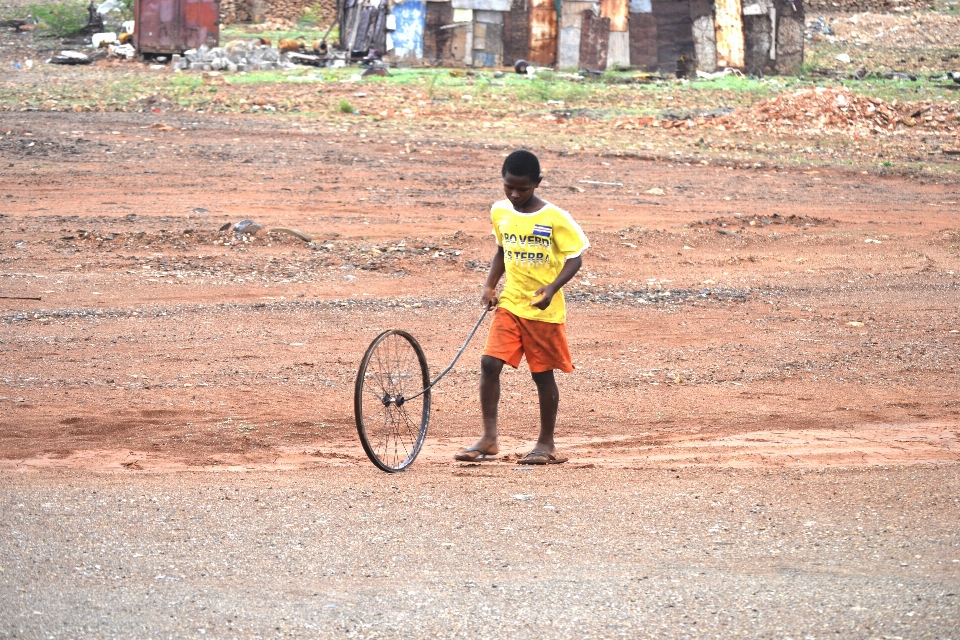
(754, 35)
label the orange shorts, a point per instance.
(543, 343)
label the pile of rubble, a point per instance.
(234, 56)
(824, 107)
(837, 109)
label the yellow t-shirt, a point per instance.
(535, 247)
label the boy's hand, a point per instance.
(542, 297)
(489, 299)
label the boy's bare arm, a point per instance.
(544, 295)
(497, 269)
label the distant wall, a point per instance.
(862, 6)
(263, 10)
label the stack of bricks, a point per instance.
(863, 6)
(276, 10)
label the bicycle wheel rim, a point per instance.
(391, 432)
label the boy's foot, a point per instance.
(542, 457)
(472, 454)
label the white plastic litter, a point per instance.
(123, 51)
(102, 39)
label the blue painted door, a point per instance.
(408, 36)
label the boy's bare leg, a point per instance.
(549, 396)
(490, 369)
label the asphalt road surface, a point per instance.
(493, 551)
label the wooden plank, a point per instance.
(483, 5)
(618, 49)
(616, 10)
(489, 17)
(436, 41)
(789, 45)
(789, 37)
(569, 50)
(516, 33)
(674, 33)
(729, 22)
(543, 32)
(494, 40)
(594, 40)
(571, 13)
(758, 39)
(705, 42)
(571, 21)
(458, 43)
(643, 41)
(700, 8)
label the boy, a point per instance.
(539, 247)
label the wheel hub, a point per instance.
(396, 401)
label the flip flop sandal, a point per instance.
(541, 457)
(475, 455)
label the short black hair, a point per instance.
(522, 163)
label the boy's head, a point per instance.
(521, 176)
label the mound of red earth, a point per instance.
(832, 108)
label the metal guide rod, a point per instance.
(455, 358)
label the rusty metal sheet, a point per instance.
(729, 22)
(643, 41)
(674, 33)
(758, 40)
(436, 41)
(516, 32)
(594, 38)
(201, 23)
(616, 10)
(173, 26)
(705, 42)
(543, 32)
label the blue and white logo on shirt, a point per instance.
(542, 230)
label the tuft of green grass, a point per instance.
(60, 19)
(345, 106)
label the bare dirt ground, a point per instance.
(725, 316)
(763, 424)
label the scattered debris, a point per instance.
(122, 51)
(605, 184)
(70, 57)
(247, 227)
(819, 27)
(235, 56)
(293, 232)
(728, 71)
